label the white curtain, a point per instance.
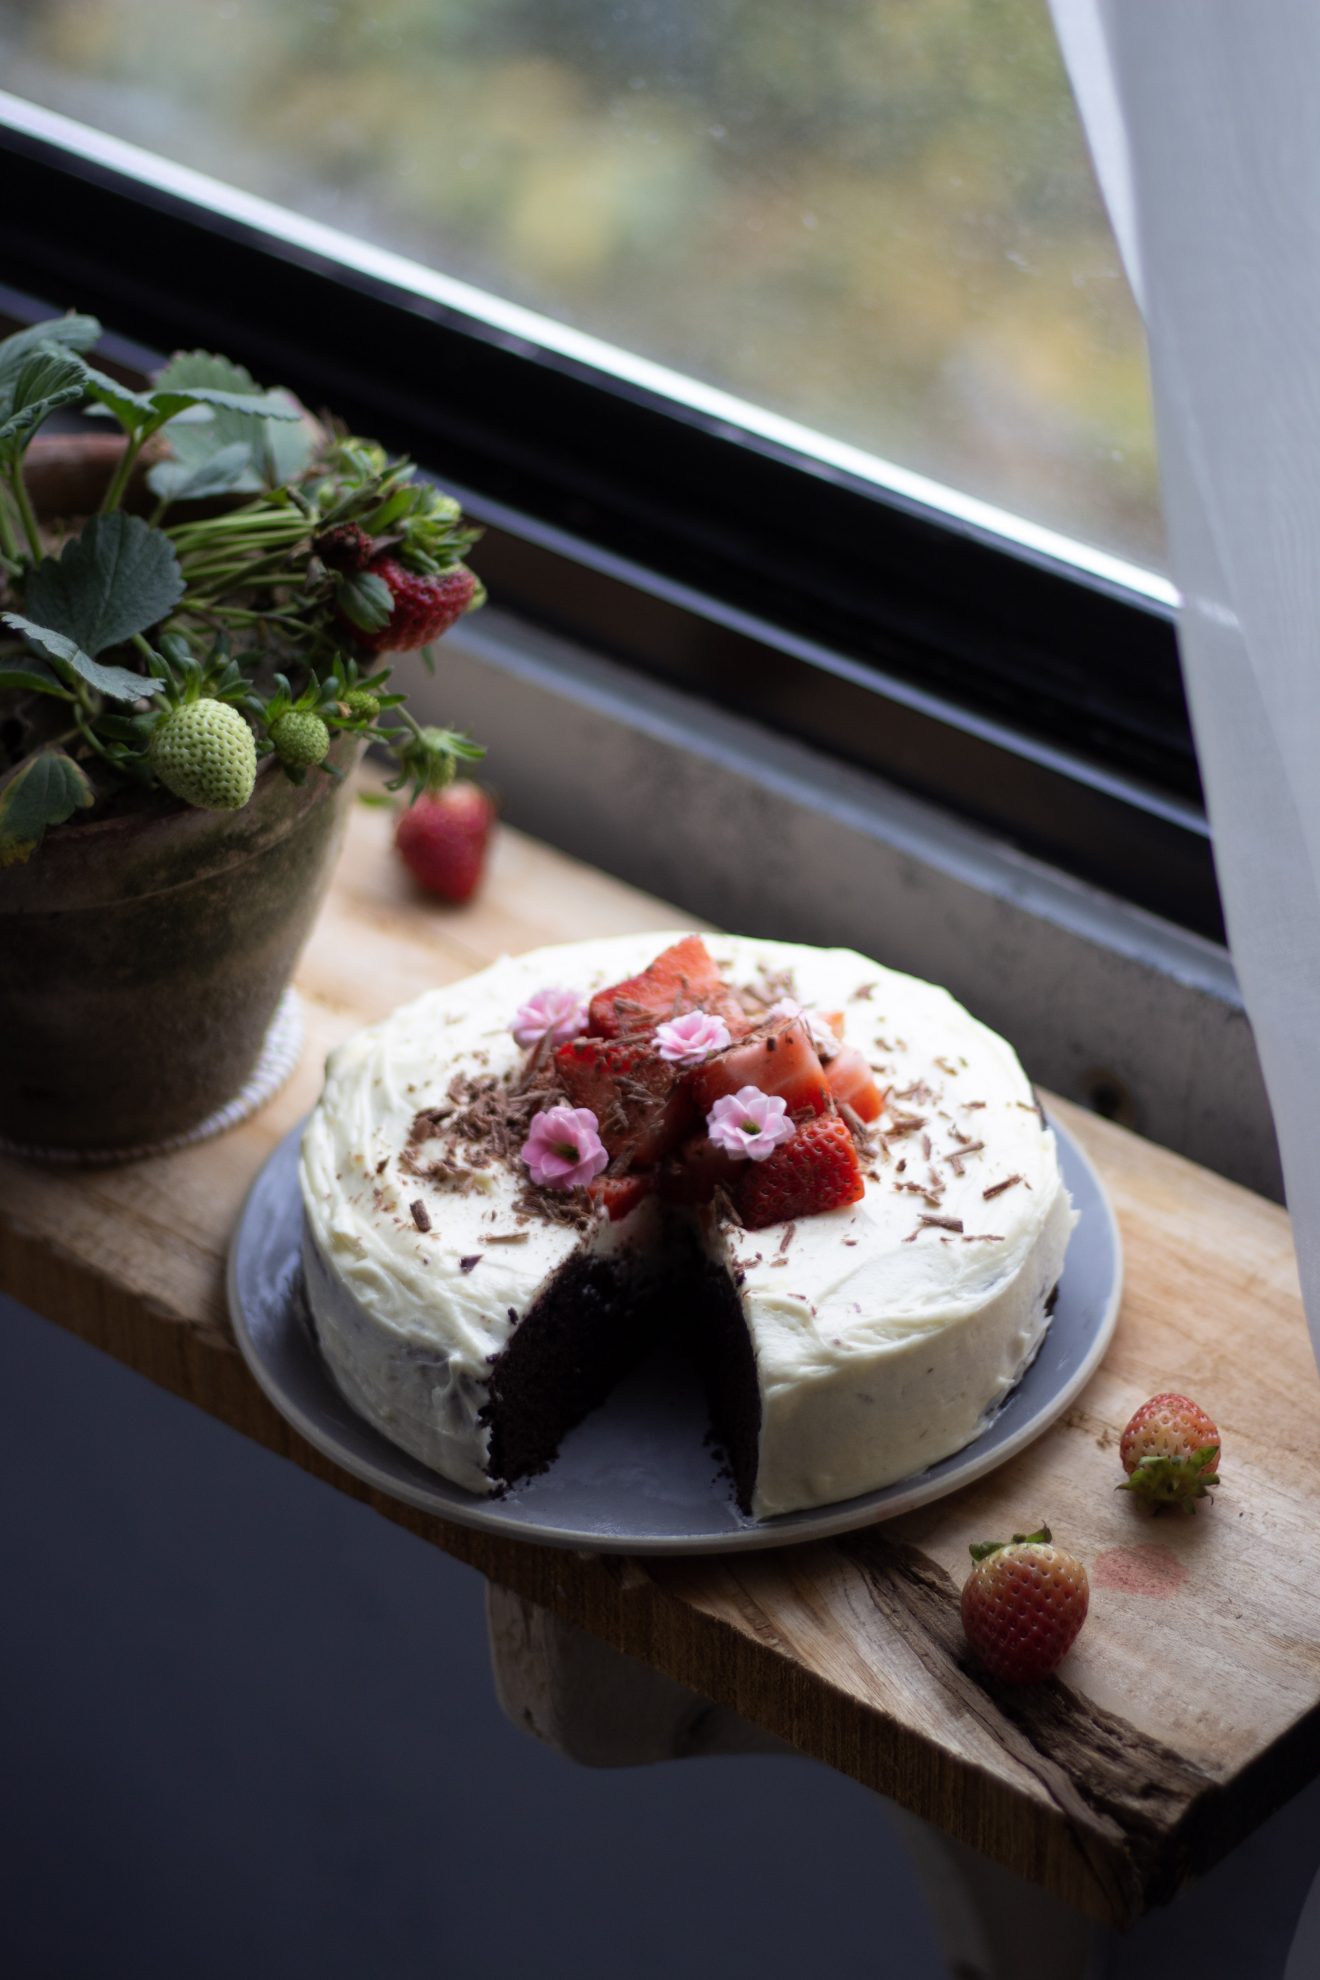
(1203, 118)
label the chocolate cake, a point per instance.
(858, 1244)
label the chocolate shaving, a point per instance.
(905, 1124)
(972, 1105)
(947, 1066)
(790, 1232)
(982, 1237)
(555, 1206)
(925, 1147)
(918, 1091)
(857, 1128)
(471, 1263)
(421, 1216)
(863, 994)
(997, 1189)
(508, 1237)
(943, 1223)
(723, 1205)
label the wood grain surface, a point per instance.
(1190, 1707)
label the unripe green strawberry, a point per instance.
(301, 740)
(205, 754)
(361, 705)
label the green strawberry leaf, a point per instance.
(365, 599)
(130, 408)
(270, 424)
(115, 579)
(35, 677)
(44, 791)
(70, 333)
(44, 381)
(286, 447)
(120, 683)
(212, 474)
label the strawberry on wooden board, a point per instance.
(442, 840)
(1023, 1604)
(682, 978)
(853, 1084)
(1170, 1450)
(638, 1098)
(778, 1057)
(816, 1171)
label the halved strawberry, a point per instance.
(682, 978)
(778, 1057)
(641, 1108)
(817, 1170)
(850, 1081)
(619, 1195)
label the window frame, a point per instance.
(1029, 694)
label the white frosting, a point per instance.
(881, 1342)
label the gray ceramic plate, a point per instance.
(638, 1476)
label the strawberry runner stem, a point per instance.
(24, 507)
(8, 541)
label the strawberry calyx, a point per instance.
(1175, 1481)
(981, 1550)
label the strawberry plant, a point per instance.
(239, 608)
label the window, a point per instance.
(807, 325)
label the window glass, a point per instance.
(874, 218)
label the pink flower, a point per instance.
(554, 1014)
(689, 1040)
(563, 1149)
(823, 1036)
(749, 1123)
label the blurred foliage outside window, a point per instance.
(874, 217)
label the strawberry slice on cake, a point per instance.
(682, 978)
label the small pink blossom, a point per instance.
(690, 1040)
(563, 1149)
(749, 1123)
(822, 1035)
(554, 1014)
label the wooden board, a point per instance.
(1191, 1705)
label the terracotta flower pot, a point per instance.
(142, 956)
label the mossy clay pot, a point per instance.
(142, 955)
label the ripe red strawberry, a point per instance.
(682, 978)
(442, 840)
(424, 607)
(1170, 1450)
(778, 1057)
(346, 547)
(817, 1170)
(642, 1108)
(1023, 1604)
(849, 1079)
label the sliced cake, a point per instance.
(827, 1178)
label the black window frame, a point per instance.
(1026, 694)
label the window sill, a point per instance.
(1108, 1004)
